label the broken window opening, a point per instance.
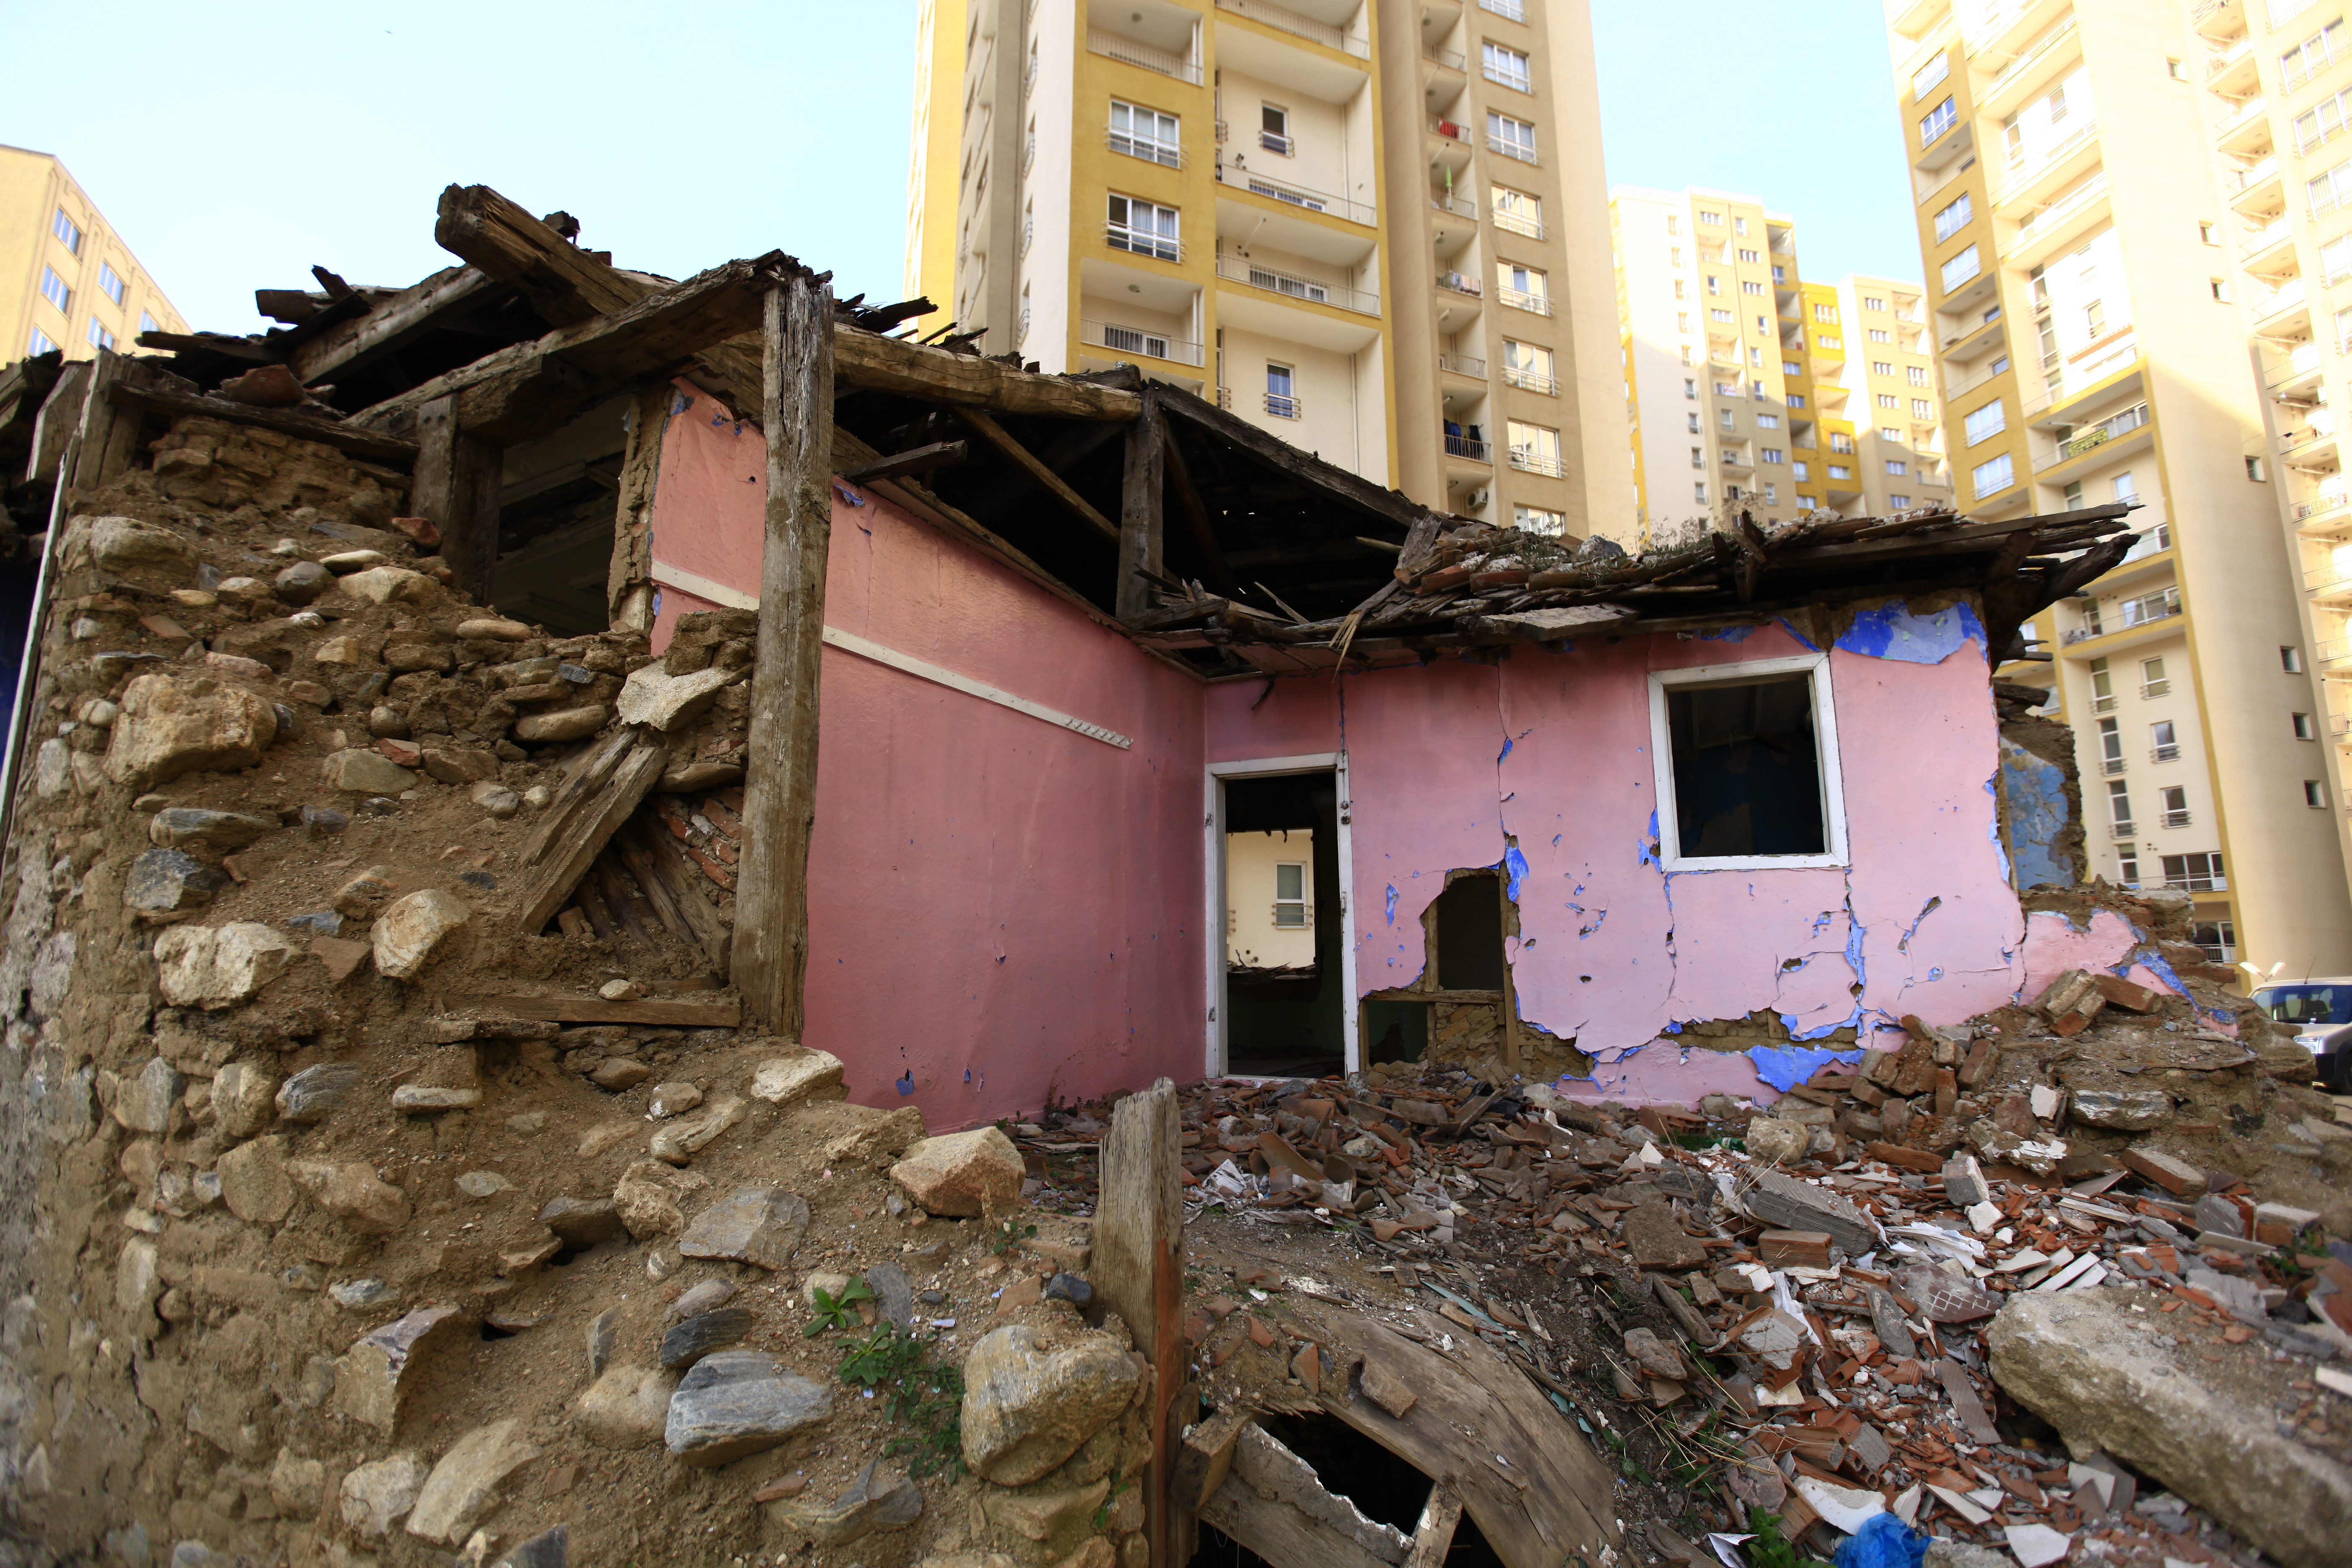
(1464, 1005)
(556, 522)
(1747, 765)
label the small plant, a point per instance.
(925, 1392)
(836, 1311)
(1005, 1235)
(1102, 1513)
(1769, 1548)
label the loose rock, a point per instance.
(737, 1403)
(761, 1225)
(1025, 1410)
(964, 1173)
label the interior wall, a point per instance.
(1000, 909)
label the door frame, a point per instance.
(1214, 849)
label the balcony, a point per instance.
(2099, 435)
(1441, 202)
(2218, 20)
(1449, 130)
(1142, 242)
(2325, 515)
(2050, 228)
(2033, 172)
(2231, 71)
(2284, 315)
(2330, 585)
(1284, 20)
(1518, 222)
(1461, 283)
(1531, 380)
(2258, 251)
(2122, 830)
(1138, 340)
(2198, 882)
(2245, 130)
(1529, 460)
(2147, 609)
(1299, 197)
(2312, 446)
(2256, 192)
(2111, 766)
(1463, 365)
(2166, 755)
(1521, 300)
(2006, 90)
(1446, 59)
(1127, 51)
(2290, 374)
(1464, 447)
(1312, 292)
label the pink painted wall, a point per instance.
(1453, 762)
(999, 907)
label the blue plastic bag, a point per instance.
(1883, 1542)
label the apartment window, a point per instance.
(1772, 496)
(1511, 138)
(1682, 324)
(1281, 392)
(2127, 865)
(1746, 757)
(1779, 273)
(1713, 220)
(2175, 70)
(1753, 257)
(2111, 746)
(68, 232)
(1508, 67)
(99, 338)
(2123, 487)
(2218, 287)
(1290, 893)
(1688, 357)
(111, 282)
(1961, 268)
(1714, 285)
(1739, 226)
(2312, 55)
(2328, 191)
(1830, 339)
(1523, 214)
(1888, 400)
(147, 322)
(2320, 121)
(1022, 335)
(2335, 258)
(2291, 660)
(1747, 288)
(1896, 466)
(2304, 729)
(1922, 409)
(1825, 313)
(1990, 478)
(1936, 121)
(1146, 229)
(1535, 449)
(1880, 335)
(1726, 415)
(2163, 745)
(1694, 422)
(1537, 520)
(1983, 423)
(2255, 471)
(1773, 454)
(1803, 471)
(1673, 255)
(2315, 793)
(1527, 366)
(2120, 811)
(1719, 314)
(40, 343)
(1792, 368)
(1527, 287)
(1900, 503)
(1929, 75)
(1950, 217)
(1274, 130)
(1840, 442)
(54, 290)
(1690, 389)
(1840, 470)
(1674, 226)
(1699, 453)
(2205, 231)
(1147, 133)
(1881, 367)
(2218, 939)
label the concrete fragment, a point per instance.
(352, 1192)
(2003, 1147)
(646, 1199)
(1964, 1182)
(411, 928)
(2123, 1110)
(626, 1406)
(562, 724)
(737, 1403)
(665, 701)
(1789, 1203)
(963, 1174)
(253, 1181)
(1026, 1409)
(463, 1486)
(760, 1226)
(376, 1496)
(785, 1081)
(214, 967)
(1655, 1238)
(2085, 1361)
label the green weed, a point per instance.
(918, 1389)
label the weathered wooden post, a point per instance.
(771, 951)
(1138, 1273)
(458, 482)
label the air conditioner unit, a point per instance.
(1475, 498)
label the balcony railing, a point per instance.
(2199, 882)
(1296, 195)
(1141, 242)
(2166, 755)
(2123, 830)
(1128, 52)
(1168, 154)
(1532, 380)
(2272, 233)
(1448, 129)
(2023, 167)
(1511, 10)
(1519, 224)
(1282, 19)
(2299, 361)
(2028, 60)
(1455, 204)
(1520, 299)
(1283, 405)
(1138, 340)
(2160, 606)
(1507, 148)
(2102, 704)
(1502, 76)
(1446, 57)
(1313, 292)
(1461, 364)
(2111, 765)
(1534, 462)
(2176, 819)
(2105, 431)
(1461, 283)
(1464, 447)
(2151, 690)
(2057, 212)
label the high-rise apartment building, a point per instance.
(1372, 227)
(72, 284)
(2128, 212)
(1750, 389)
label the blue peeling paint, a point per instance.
(1504, 752)
(906, 1085)
(2034, 793)
(1790, 626)
(1727, 633)
(849, 494)
(1786, 1067)
(1648, 849)
(1392, 901)
(1891, 631)
(1515, 867)
(1595, 926)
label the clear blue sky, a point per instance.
(234, 144)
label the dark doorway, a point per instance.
(1283, 1002)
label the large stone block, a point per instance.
(411, 928)
(463, 1486)
(737, 1403)
(1026, 1409)
(963, 1174)
(752, 1225)
(174, 724)
(214, 967)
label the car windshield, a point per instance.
(2306, 1003)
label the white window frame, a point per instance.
(1815, 667)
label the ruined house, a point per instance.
(474, 708)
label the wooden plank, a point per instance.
(996, 436)
(394, 324)
(107, 437)
(254, 351)
(629, 577)
(918, 460)
(1142, 484)
(902, 365)
(582, 776)
(53, 427)
(770, 960)
(553, 886)
(373, 446)
(1138, 1273)
(716, 1013)
(1432, 1535)
(1554, 1499)
(1284, 1534)
(658, 859)
(457, 483)
(1273, 450)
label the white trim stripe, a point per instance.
(850, 642)
(703, 587)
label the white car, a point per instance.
(2321, 1011)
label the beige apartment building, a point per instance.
(66, 280)
(1750, 389)
(2126, 209)
(1372, 227)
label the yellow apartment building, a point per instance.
(1371, 227)
(66, 280)
(1749, 388)
(2126, 255)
